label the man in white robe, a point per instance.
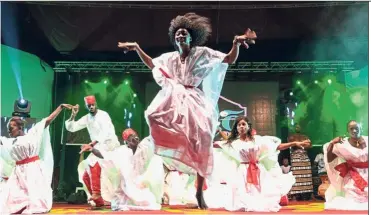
(137, 173)
(103, 138)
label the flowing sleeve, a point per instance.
(268, 151)
(41, 136)
(107, 139)
(229, 152)
(336, 181)
(213, 82)
(6, 162)
(73, 126)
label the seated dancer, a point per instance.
(103, 137)
(28, 189)
(183, 118)
(346, 162)
(256, 183)
(136, 173)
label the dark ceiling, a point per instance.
(90, 30)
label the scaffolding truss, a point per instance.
(196, 6)
(303, 66)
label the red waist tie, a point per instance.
(253, 172)
(168, 76)
(348, 168)
(5, 178)
(27, 160)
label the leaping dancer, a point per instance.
(182, 118)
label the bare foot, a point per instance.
(200, 200)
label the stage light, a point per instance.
(135, 95)
(291, 93)
(126, 82)
(134, 105)
(105, 81)
(86, 81)
(316, 82)
(22, 108)
(329, 81)
(298, 82)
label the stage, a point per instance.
(293, 208)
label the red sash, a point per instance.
(348, 168)
(27, 160)
(253, 173)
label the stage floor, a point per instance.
(294, 208)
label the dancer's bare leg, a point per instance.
(200, 193)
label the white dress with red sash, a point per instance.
(348, 175)
(183, 118)
(29, 185)
(257, 183)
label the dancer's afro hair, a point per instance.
(198, 26)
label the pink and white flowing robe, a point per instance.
(183, 118)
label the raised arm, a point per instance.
(300, 144)
(133, 46)
(248, 38)
(72, 125)
(330, 154)
(55, 113)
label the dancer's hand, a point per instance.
(300, 144)
(337, 140)
(128, 46)
(246, 39)
(85, 148)
(75, 109)
(306, 143)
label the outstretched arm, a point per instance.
(248, 38)
(72, 125)
(232, 56)
(331, 156)
(57, 111)
(90, 148)
(146, 59)
(284, 146)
